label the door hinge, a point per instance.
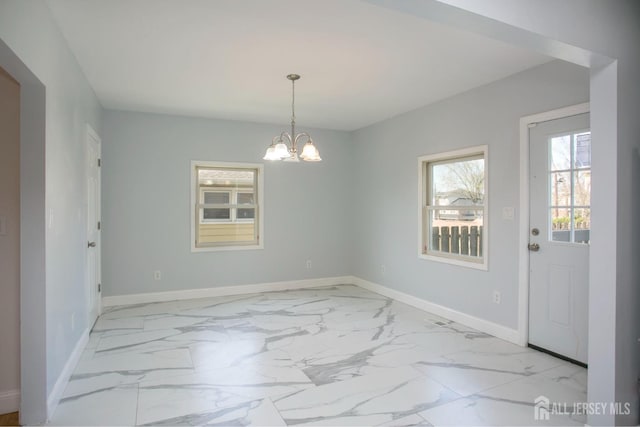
(99, 162)
(99, 225)
(99, 287)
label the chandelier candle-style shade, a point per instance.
(287, 151)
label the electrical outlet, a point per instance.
(308, 264)
(496, 297)
(157, 275)
(383, 269)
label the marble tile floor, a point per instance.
(332, 356)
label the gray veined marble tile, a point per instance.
(569, 375)
(350, 357)
(132, 361)
(180, 396)
(410, 420)
(106, 324)
(132, 340)
(439, 341)
(94, 338)
(157, 403)
(368, 400)
(250, 381)
(249, 353)
(172, 321)
(255, 412)
(113, 407)
(485, 411)
(511, 404)
(336, 355)
(469, 372)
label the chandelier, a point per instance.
(284, 146)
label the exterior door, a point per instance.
(93, 226)
(559, 233)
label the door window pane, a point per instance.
(582, 154)
(561, 224)
(582, 188)
(570, 187)
(560, 189)
(582, 225)
(561, 153)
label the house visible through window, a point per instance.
(453, 194)
(226, 212)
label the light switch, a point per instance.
(3, 225)
(507, 213)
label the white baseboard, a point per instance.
(63, 378)
(481, 325)
(9, 401)
(223, 291)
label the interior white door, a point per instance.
(93, 226)
(559, 233)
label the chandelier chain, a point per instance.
(293, 101)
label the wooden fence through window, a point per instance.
(459, 240)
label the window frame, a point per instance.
(424, 206)
(196, 219)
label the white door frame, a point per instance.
(523, 232)
(92, 134)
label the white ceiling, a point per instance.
(228, 58)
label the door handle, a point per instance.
(533, 247)
(91, 244)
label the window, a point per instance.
(453, 206)
(226, 206)
(216, 198)
(570, 187)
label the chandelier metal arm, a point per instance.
(301, 135)
(285, 135)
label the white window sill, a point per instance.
(456, 261)
(227, 248)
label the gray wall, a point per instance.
(34, 42)
(603, 35)
(387, 200)
(146, 205)
(10, 239)
(601, 28)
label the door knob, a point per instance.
(533, 247)
(91, 244)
